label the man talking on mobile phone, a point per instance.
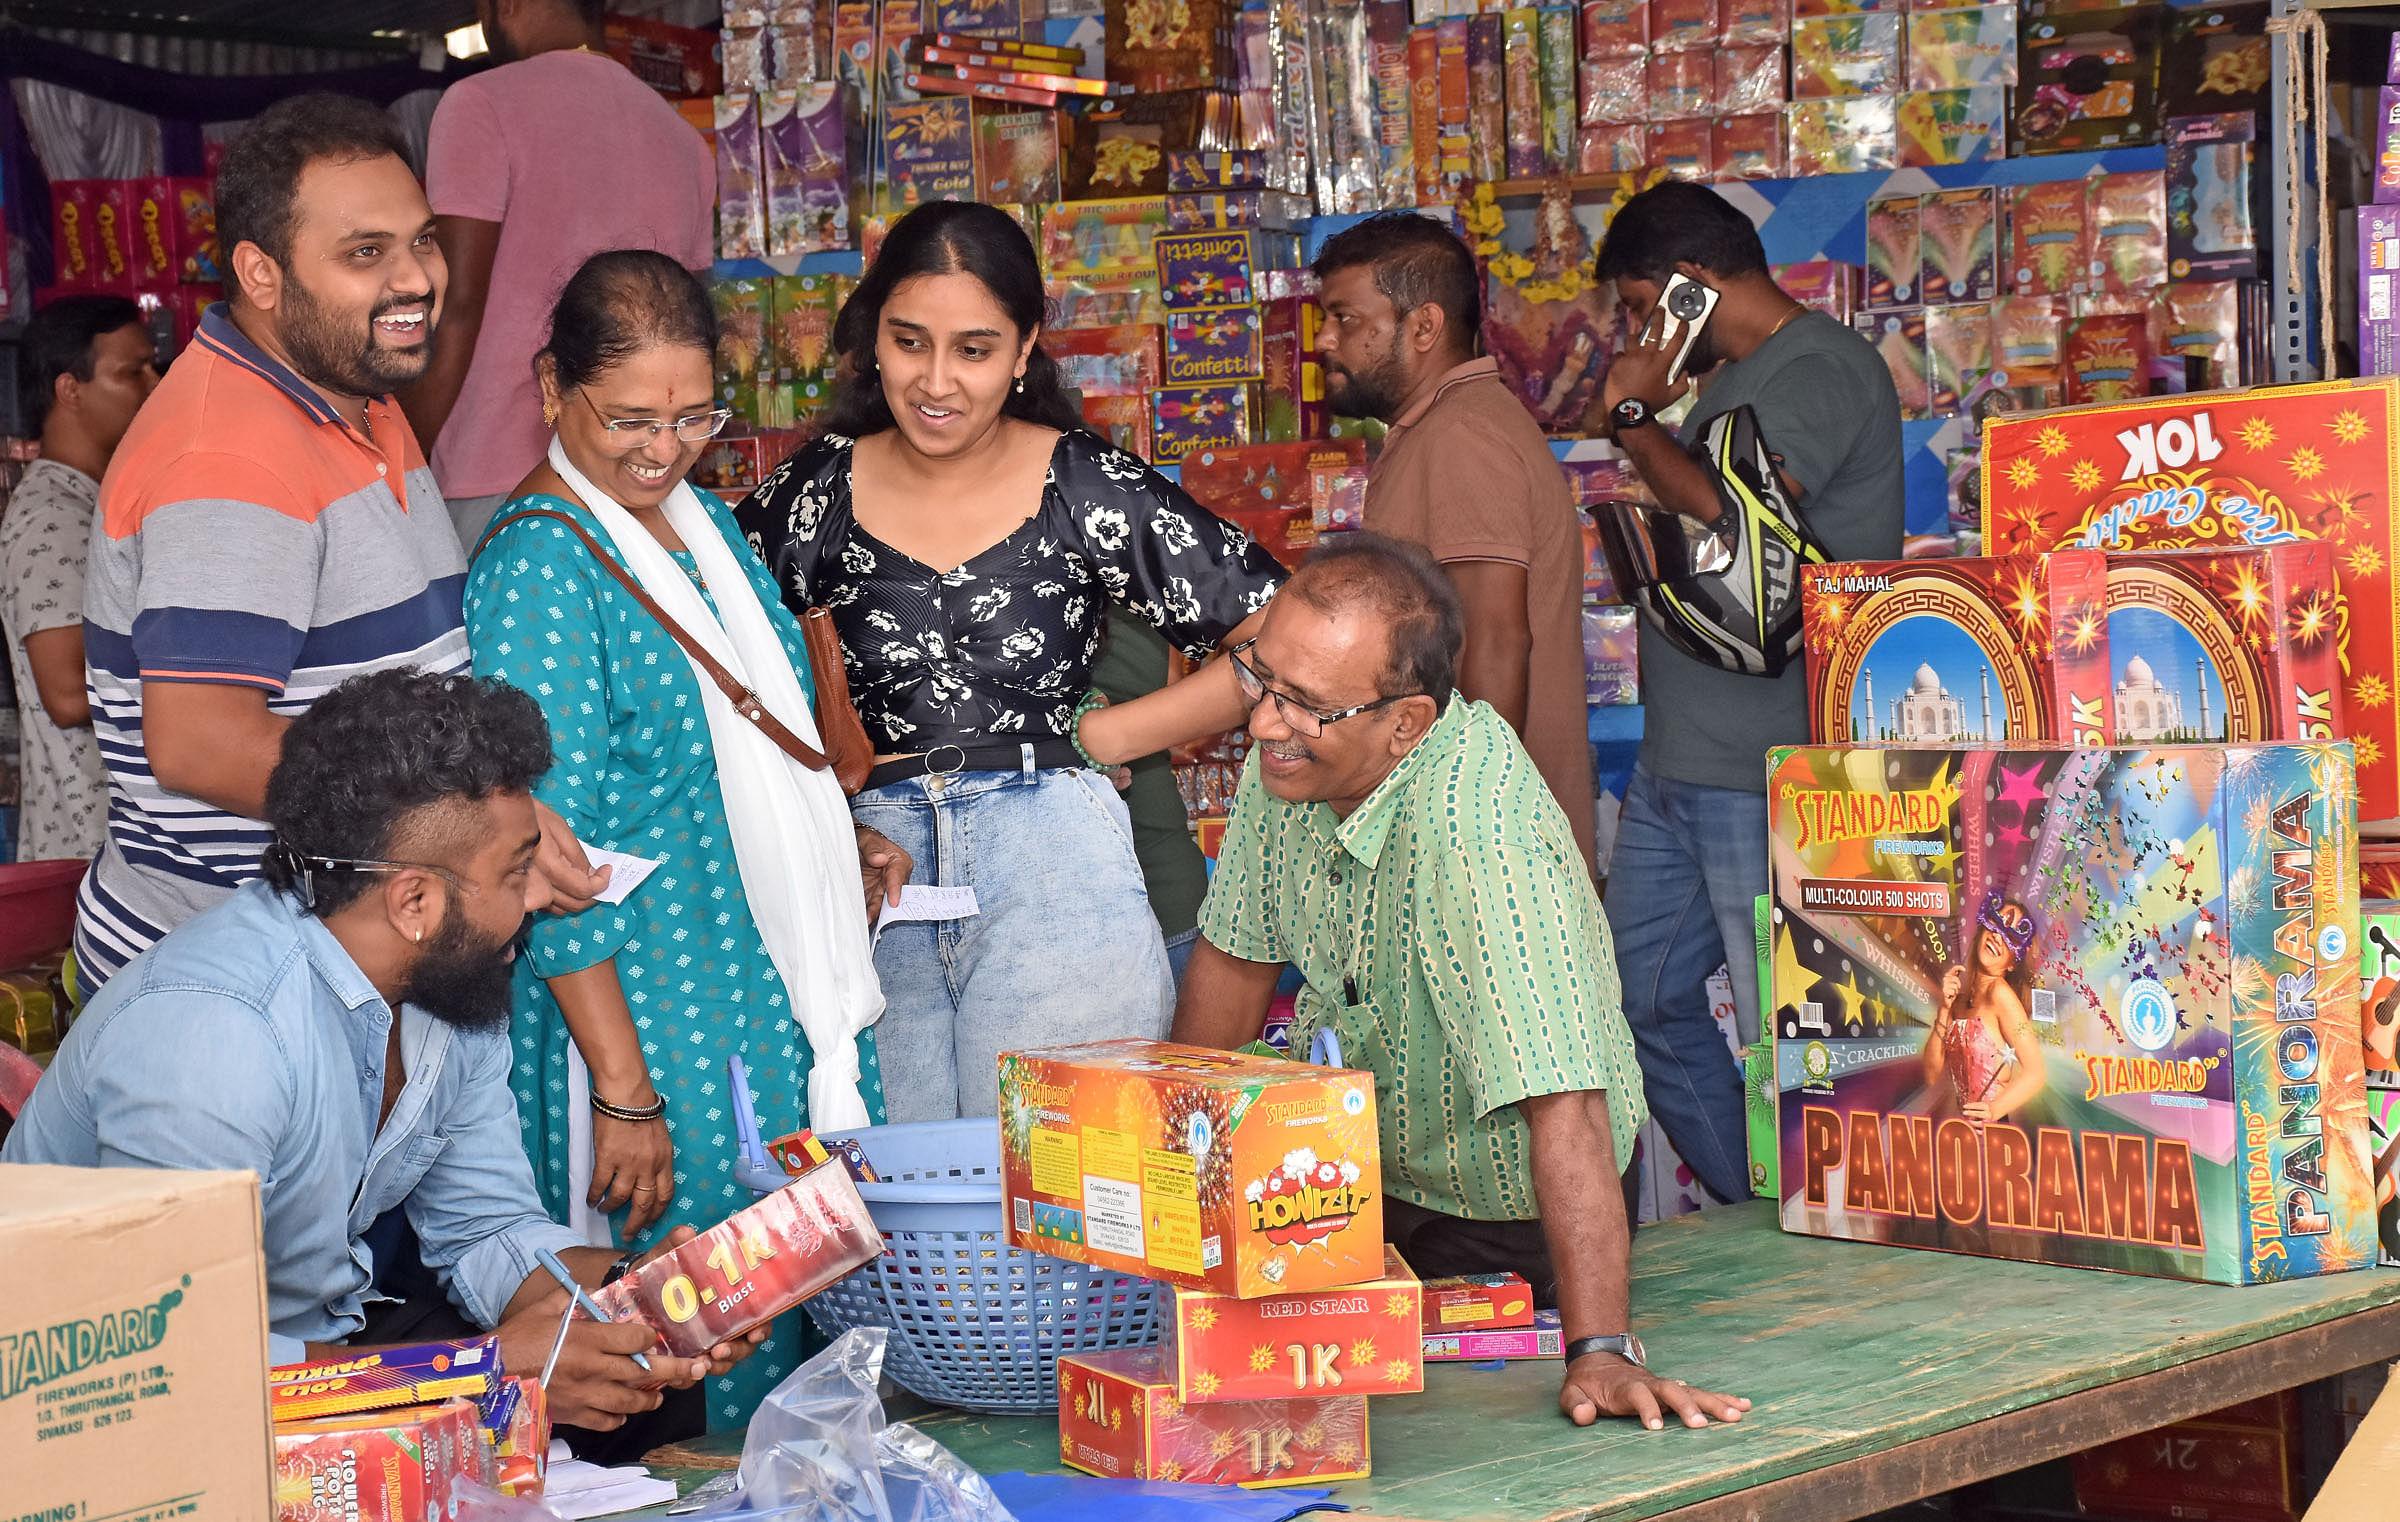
(1691, 848)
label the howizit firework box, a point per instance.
(2090, 1007)
(1209, 1170)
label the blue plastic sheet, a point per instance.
(1081, 1498)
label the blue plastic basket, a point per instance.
(975, 1323)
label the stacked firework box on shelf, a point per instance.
(153, 239)
(775, 370)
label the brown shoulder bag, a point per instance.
(848, 754)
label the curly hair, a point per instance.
(364, 766)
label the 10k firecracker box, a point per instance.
(2226, 470)
(2088, 1007)
(1358, 1340)
(1208, 1170)
(2223, 645)
(1995, 649)
(1119, 1417)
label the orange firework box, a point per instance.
(1483, 1302)
(1362, 1340)
(1209, 1170)
(383, 1466)
(1118, 1417)
(2228, 470)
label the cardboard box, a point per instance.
(2142, 967)
(2231, 645)
(2364, 1478)
(2229, 468)
(752, 1266)
(133, 1364)
(1361, 1339)
(1542, 1339)
(1119, 1417)
(1477, 1302)
(1974, 650)
(1203, 1169)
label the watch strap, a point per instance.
(620, 1268)
(1626, 1346)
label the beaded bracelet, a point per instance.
(651, 1111)
(1092, 701)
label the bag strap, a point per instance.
(744, 701)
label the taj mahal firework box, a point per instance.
(1209, 1170)
(2089, 1007)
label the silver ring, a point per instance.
(945, 771)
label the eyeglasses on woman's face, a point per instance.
(634, 432)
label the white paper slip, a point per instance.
(576, 1489)
(921, 902)
(627, 874)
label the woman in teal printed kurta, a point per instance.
(637, 771)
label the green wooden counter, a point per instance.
(1878, 1375)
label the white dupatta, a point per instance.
(791, 830)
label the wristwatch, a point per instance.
(1632, 412)
(620, 1268)
(1627, 1347)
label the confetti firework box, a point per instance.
(1362, 1339)
(2223, 645)
(1213, 269)
(407, 1376)
(1542, 1339)
(751, 1267)
(2087, 1007)
(1218, 345)
(1483, 1302)
(1208, 1170)
(1188, 418)
(2265, 466)
(1996, 649)
(1119, 1417)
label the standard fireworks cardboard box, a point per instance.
(1989, 649)
(1118, 1416)
(1361, 1339)
(2223, 645)
(2229, 469)
(1204, 1169)
(2087, 1007)
(133, 1357)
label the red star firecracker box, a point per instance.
(2087, 1007)
(2223, 645)
(1935, 652)
(1208, 1170)
(753, 1266)
(2227, 469)
(1359, 1340)
(1119, 1417)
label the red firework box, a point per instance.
(1208, 1170)
(2228, 470)
(384, 1466)
(1478, 1302)
(750, 1267)
(1935, 652)
(2224, 645)
(1358, 1340)
(1119, 1417)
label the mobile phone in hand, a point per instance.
(1685, 307)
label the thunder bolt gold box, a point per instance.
(1208, 1170)
(2089, 1007)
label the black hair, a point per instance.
(1417, 262)
(1676, 222)
(260, 178)
(946, 238)
(1407, 592)
(62, 339)
(370, 757)
(621, 302)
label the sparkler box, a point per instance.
(751, 1267)
(1994, 649)
(1359, 1340)
(2230, 645)
(2229, 469)
(1209, 1170)
(2087, 1007)
(1119, 1417)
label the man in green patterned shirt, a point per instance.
(1400, 848)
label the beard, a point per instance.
(327, 349)
(462, 980)
(1375, 392)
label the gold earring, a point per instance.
(549, 414)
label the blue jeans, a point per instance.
(1062, 949)
(1690, 861)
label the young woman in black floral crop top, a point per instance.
(968, 535)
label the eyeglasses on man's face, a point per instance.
(1305, 721)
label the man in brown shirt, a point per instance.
(1467, 474)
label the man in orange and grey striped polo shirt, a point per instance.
(269, 526)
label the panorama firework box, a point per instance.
(1991, 649)
(2092, 1007)
(1208, 1170)
(1119, 1417)
(1358, 1340)
(2229, 470)
(133, 1356)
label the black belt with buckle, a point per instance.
(943, 760)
